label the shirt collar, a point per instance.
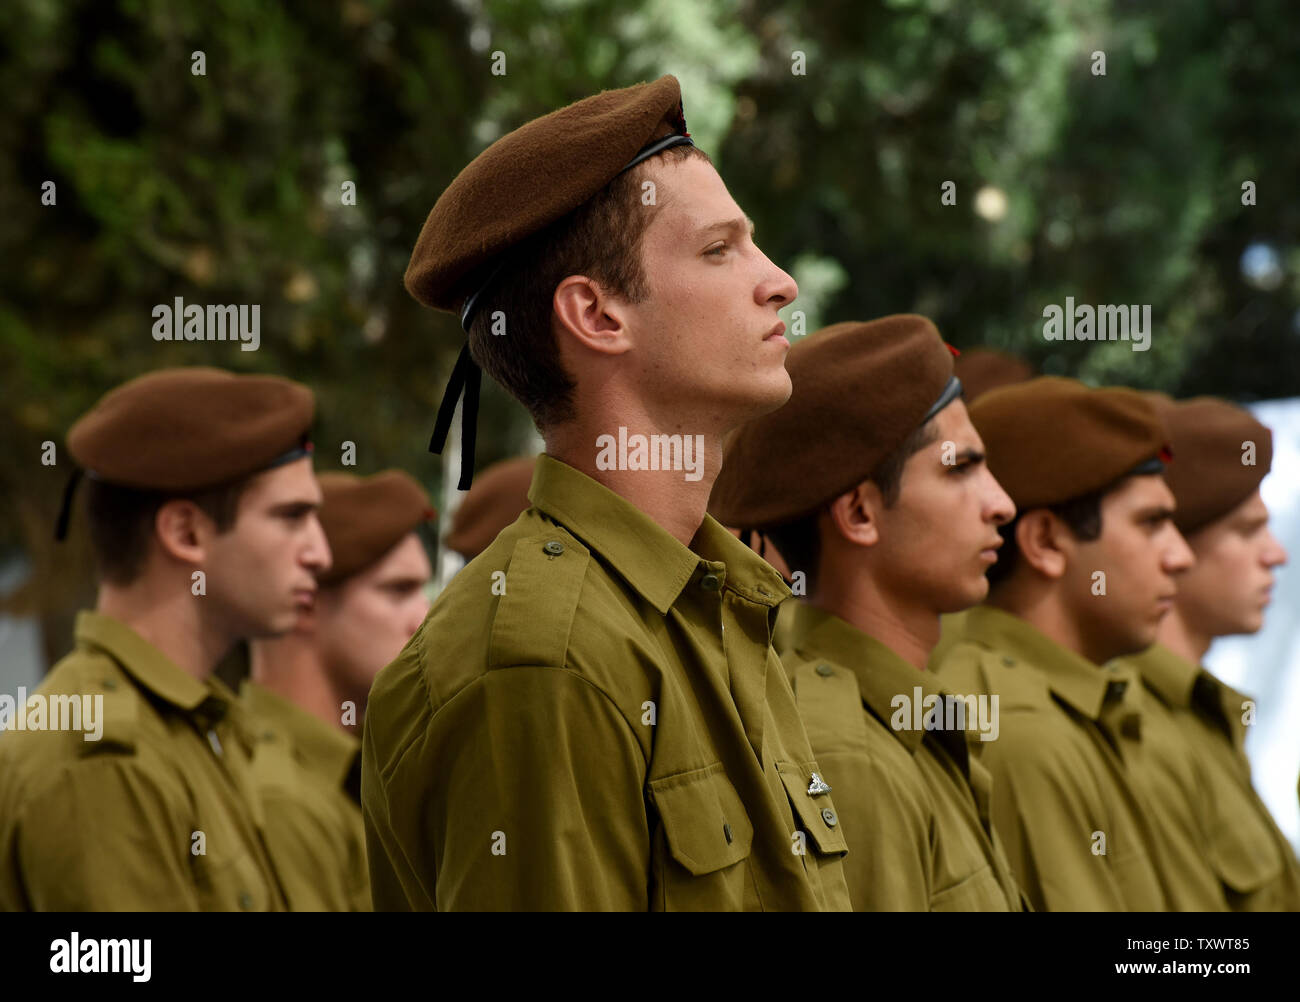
(1085, 686)
(149, 667)
(1169, 676)
(1186, 686)
(640, 550)
(882, 675)
(322, 748)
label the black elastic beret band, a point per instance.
(950, 393)
(303, 448)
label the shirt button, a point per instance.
(829, 817)
(245, 900)
(825, 671)
(710, 582)
(554, 547)
(110, 684)
(1116, 689)
(1009, 662)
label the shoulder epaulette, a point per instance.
(543, 583)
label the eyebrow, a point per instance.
(970, 454)
(404, 583)
(730, 226)
(1153, 512)
(295, 507)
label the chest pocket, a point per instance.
(704, 841)
(980, 892)
(1242, 850)
(816, 814)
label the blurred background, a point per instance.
(835, 126)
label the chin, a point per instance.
(764, 398)
(279, 625)
(778, 391)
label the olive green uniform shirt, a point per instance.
(307, 774)
(1064, 804)
(592, 717)
(159, 814)
(1214, 829)
(914, 804)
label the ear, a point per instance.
(1044, 542)
(182, 530)
(588, 313)
(855, 514)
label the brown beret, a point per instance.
(1207, 475)
(365, 517)
(859, 389)
(984, 369)
(530, 178)
(192, 428)
(499, 494)
(1051, 440)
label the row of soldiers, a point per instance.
(974, 685)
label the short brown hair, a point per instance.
(799, 542)
(121, 522)
(601, 239)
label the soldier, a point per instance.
(873, 480)
(202, 511)
(1214, 828)
(308, 689)
(568, 728)
(1086, 573)
(498, 497)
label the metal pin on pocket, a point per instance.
(818, 786)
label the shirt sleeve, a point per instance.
(525, 792)
(102, 836)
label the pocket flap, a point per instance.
(817, 814)
(704, 821)
(1243, 855)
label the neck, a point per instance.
(668, 497)
(1178, 633)
(163, 611)
(1039, 605)
(291, 667)
(907, 629)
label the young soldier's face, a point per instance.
(262, 572)
(363, 622)
(1231, 585)
(941, 535)
(709, 343)
(1123, 583)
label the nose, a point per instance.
(776, 286)
(1178, 556)
(1274, 552)
(419, 609)
(317, 556)
(1000, 507)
